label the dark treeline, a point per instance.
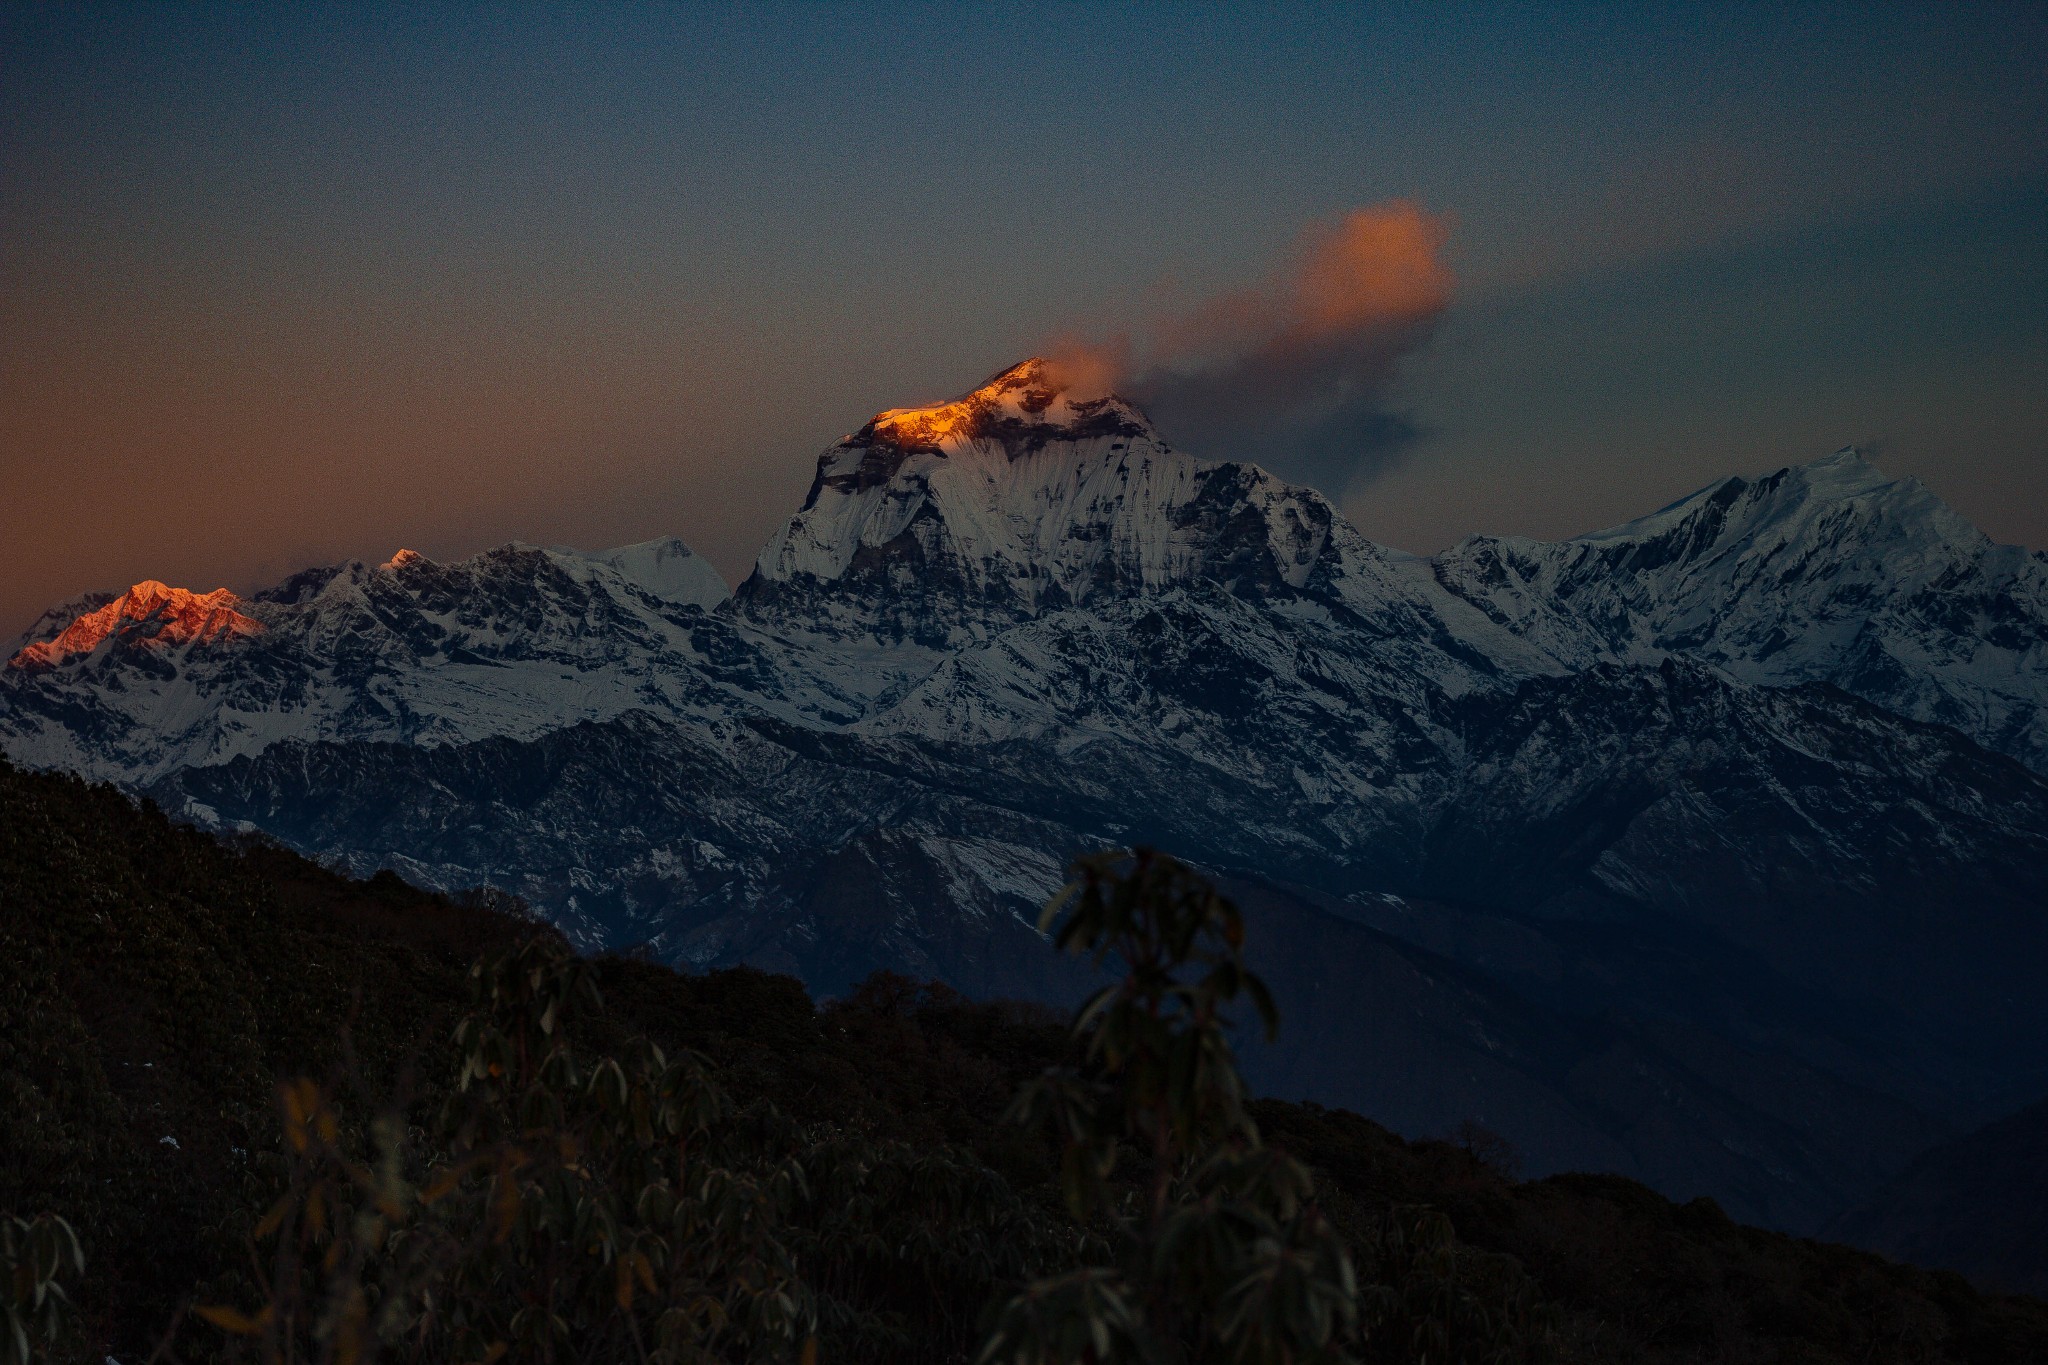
(267, 1096)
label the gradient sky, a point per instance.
(280, 286)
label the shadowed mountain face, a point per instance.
(1704, 849)
(1978, 1205)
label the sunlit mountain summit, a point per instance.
(149, 615)
(1023, 496)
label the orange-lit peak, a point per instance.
(1034, 393)
(403, 558)
(151, 614)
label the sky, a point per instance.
(284, 285)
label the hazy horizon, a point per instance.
(285, 287)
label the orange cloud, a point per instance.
(1088, 370)
(1372, 269)
(1295, 371)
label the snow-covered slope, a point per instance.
(1824, 572)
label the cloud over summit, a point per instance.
(1294, 371)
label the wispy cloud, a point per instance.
(1295, 371)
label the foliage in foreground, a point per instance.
(155, 982)
(35, 1259)
(1220, 1250)
(609, 1210)
(564, 1206)
(621, 1208)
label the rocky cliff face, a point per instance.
(1704, 849)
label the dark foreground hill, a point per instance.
(155, 984)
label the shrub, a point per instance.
(1216, 1248)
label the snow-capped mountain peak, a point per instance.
(1828, 570)
(1846, 470)
(1840, 499)
(1027, 494)
(151, 615)
(1019, 409)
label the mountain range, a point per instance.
(1711, 849)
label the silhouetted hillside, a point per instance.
(155, 983)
